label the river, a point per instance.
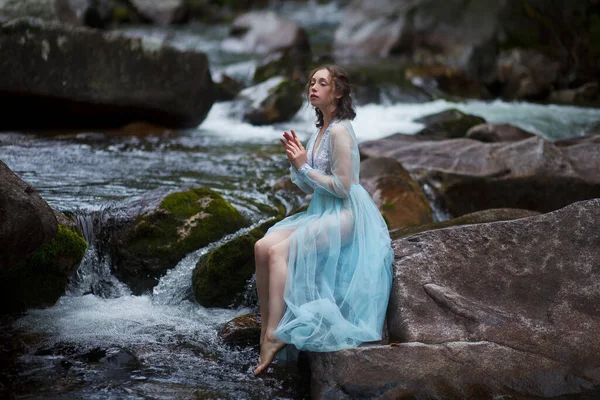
(101, 342)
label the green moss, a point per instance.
(221, 275)
(43, 277)
(183, 222)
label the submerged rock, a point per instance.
(73, 77)
(157, 239)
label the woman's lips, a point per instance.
(314, 96)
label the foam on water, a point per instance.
(374, 121)
(128, 320)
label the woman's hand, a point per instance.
(294, 150)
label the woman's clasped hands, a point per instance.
(294, 150)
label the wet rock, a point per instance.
(265, 32)
(159, 235)
(585, 95)
(227, 88)
(528, 284)
(291, 63)
(452, 370)
(80, 77)
(28, 222)
(40, 248)
(275, 100)
(220, 276)
(491, 133)
(444, 81)
(242, 331)
(447, 124)
(379, 81)
(470, 176)
(399, 198)
(479, 217)
(526, 74)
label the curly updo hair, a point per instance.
(344, 107)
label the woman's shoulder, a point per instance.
(343, 126)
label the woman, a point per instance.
(323, 276)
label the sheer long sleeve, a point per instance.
(298, 181)
(338, 183)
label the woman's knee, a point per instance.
(261, 248)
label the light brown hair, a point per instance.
(344, 107)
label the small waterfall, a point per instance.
(94, 274)
(175, 287)
(440, 213)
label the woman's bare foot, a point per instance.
(269, 347)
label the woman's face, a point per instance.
(321, 90)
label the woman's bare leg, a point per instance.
(261, 258)
(278, 259)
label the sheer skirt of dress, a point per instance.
(339, 268)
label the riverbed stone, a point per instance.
(468, 175)
(40, 248)
(220, 276)
(242, 331)
(497, 133)
(447, 124)
(276, 100)
(398, 197)
(153, 242)
(80, 77)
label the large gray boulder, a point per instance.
(495, 310)
(66, 76)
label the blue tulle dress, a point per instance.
(340, 257)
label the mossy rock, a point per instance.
(282, 103)
(291, 63)
(42, 279)
(221, 275)
(448, 124)
(479, 217)
(155, 242)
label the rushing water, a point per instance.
(100, 341)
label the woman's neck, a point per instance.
(327, 117)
